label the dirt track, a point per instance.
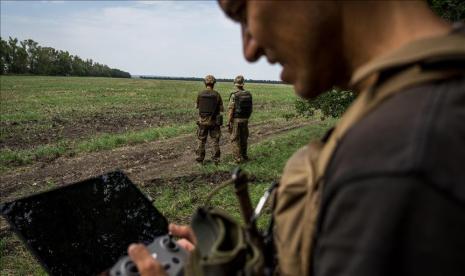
(34, 133)
(144, 163)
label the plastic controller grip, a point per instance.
(170, 255)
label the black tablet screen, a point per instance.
(83, 228)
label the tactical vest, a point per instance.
(242, 104)
(208, 103)
(298, 198)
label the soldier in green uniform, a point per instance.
(239, 111)
(210, 106)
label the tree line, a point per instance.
(201, 79)
(28, 57)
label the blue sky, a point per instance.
(167, 38)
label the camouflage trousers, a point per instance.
(239, 136)
(202, 134)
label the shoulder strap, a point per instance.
(447, 47)
(232, 93)
(418, 60)
(370, 99)
(217, 95)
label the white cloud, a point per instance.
(153, 2)
(163, 38)
(53, 2)
(147, 2)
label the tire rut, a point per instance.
(142, 162)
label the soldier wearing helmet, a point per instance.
(239, 111)
(210, 106)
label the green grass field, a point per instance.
(43, 118)
(74, 113)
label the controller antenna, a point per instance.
(240, 180)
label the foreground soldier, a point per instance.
(210, 106)
(239, 111)
(384, 193)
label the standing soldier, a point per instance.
(240, 108)
(210, 106)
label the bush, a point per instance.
(450, 10)
(332, 104)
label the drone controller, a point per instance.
(170, 255)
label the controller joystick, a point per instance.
(170, 255)
(169, 244)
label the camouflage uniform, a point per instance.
(238, 123)
(207, 123)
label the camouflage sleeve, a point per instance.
(197, 102)
(231, 101)
(231, 107)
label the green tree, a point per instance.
(4, 56)
(78, 67)
(18, 57)
(63, 63)
(45, 60)
(450, 10)
(32, 54)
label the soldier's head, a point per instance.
(209, 81)
(300, 35)
(239, 81)
(320, 43)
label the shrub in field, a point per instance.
(450, 10)
(332, 104)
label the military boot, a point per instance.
(216, 158)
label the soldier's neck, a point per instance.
(372, 29)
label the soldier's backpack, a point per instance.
(243, 104)
(208, 103)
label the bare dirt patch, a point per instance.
(144, 163)
(29, 134)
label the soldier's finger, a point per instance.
(146, 264)
(187, 245)
(182, 231)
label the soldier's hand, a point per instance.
(146, 264)
(187, 238)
